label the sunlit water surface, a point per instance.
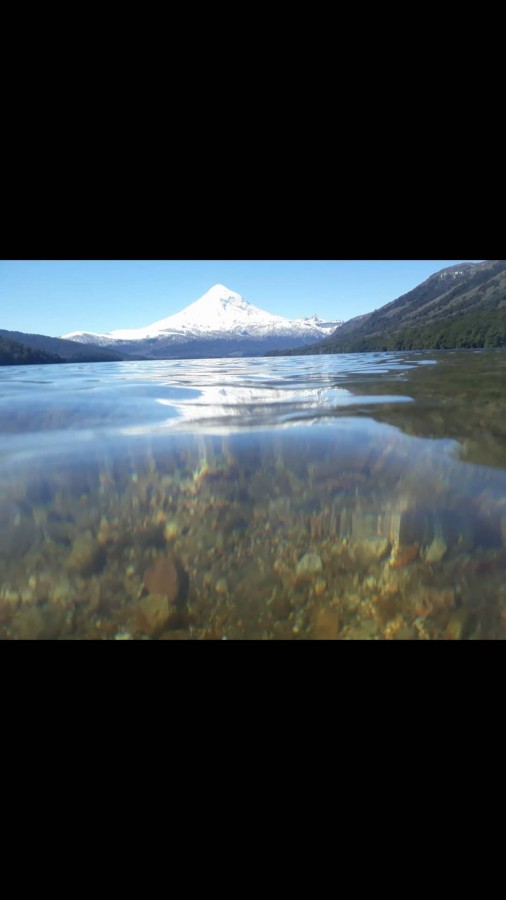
(328, 497)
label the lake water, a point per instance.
(330, 497)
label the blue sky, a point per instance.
(58, 296)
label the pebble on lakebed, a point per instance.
(153, 614)
(162, 578)
(327, 625)
(310, 564)
(163, 582)
(436, 551)
(87, 556)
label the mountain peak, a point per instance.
(221, 288)
(312, 320)
(220, 292)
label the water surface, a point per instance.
(349, 497)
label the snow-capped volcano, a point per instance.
(220, 317)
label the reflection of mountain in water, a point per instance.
(454, 396)
(461, 399)
(224, 409)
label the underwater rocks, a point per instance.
(153, 614)
(162, 578)
(87, 557)
(403, 556)
(310, 564)
(257, 552)
(368, 552)
(436, 551)
(327, 625)
(171, 531)
(165, 583)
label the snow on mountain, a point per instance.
(219, 310)
(220, 314)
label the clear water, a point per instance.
(338, 497)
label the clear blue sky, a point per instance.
(58, 296)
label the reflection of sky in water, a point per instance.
(101, 400)
(74, 409)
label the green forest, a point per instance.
(476, 329)
(12, 353)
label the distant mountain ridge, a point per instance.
(460, 306)
(14, 353)
(220, 323)
(50, 349)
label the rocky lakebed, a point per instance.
(258, 539)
